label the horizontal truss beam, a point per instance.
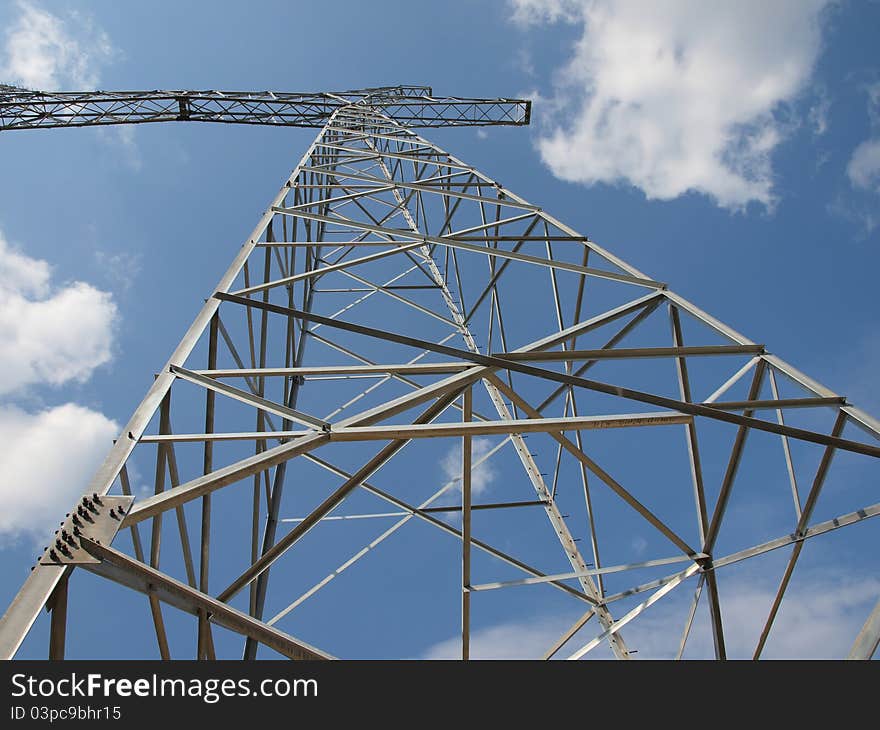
(399, 368)
(498, 363)
(413, 106)
(426, 510)
(630, 353)
(443, 430)
(453, 242)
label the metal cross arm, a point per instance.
(411, 106)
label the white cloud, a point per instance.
(863, 169)
(512, 640)
(124, 138)
(527, 12)
(820, 617)
(639, 545)
(49, 336)
(524, 61)
(677, 96)
(44, 52)
(119, 267)
(482, 475)
(820, 111)
(21, 273)
(53, 337)
(46, 461)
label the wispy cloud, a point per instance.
(863, 173)
(677, 97)
(49, 52)
(527, 12)
(510, 640)
(119, 267)
(863, 169)
(482, 475)
(524, 61)
(820, 617)
(43, 51)
(124, 139)
(820, 112)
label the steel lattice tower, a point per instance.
(394, 301)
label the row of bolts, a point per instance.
(82, 513)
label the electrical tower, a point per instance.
(413, 391)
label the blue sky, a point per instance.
(733, 154)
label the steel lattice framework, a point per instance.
(411, 105)
(474, 318)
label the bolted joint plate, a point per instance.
(97, 518)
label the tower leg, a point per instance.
(58, 630)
